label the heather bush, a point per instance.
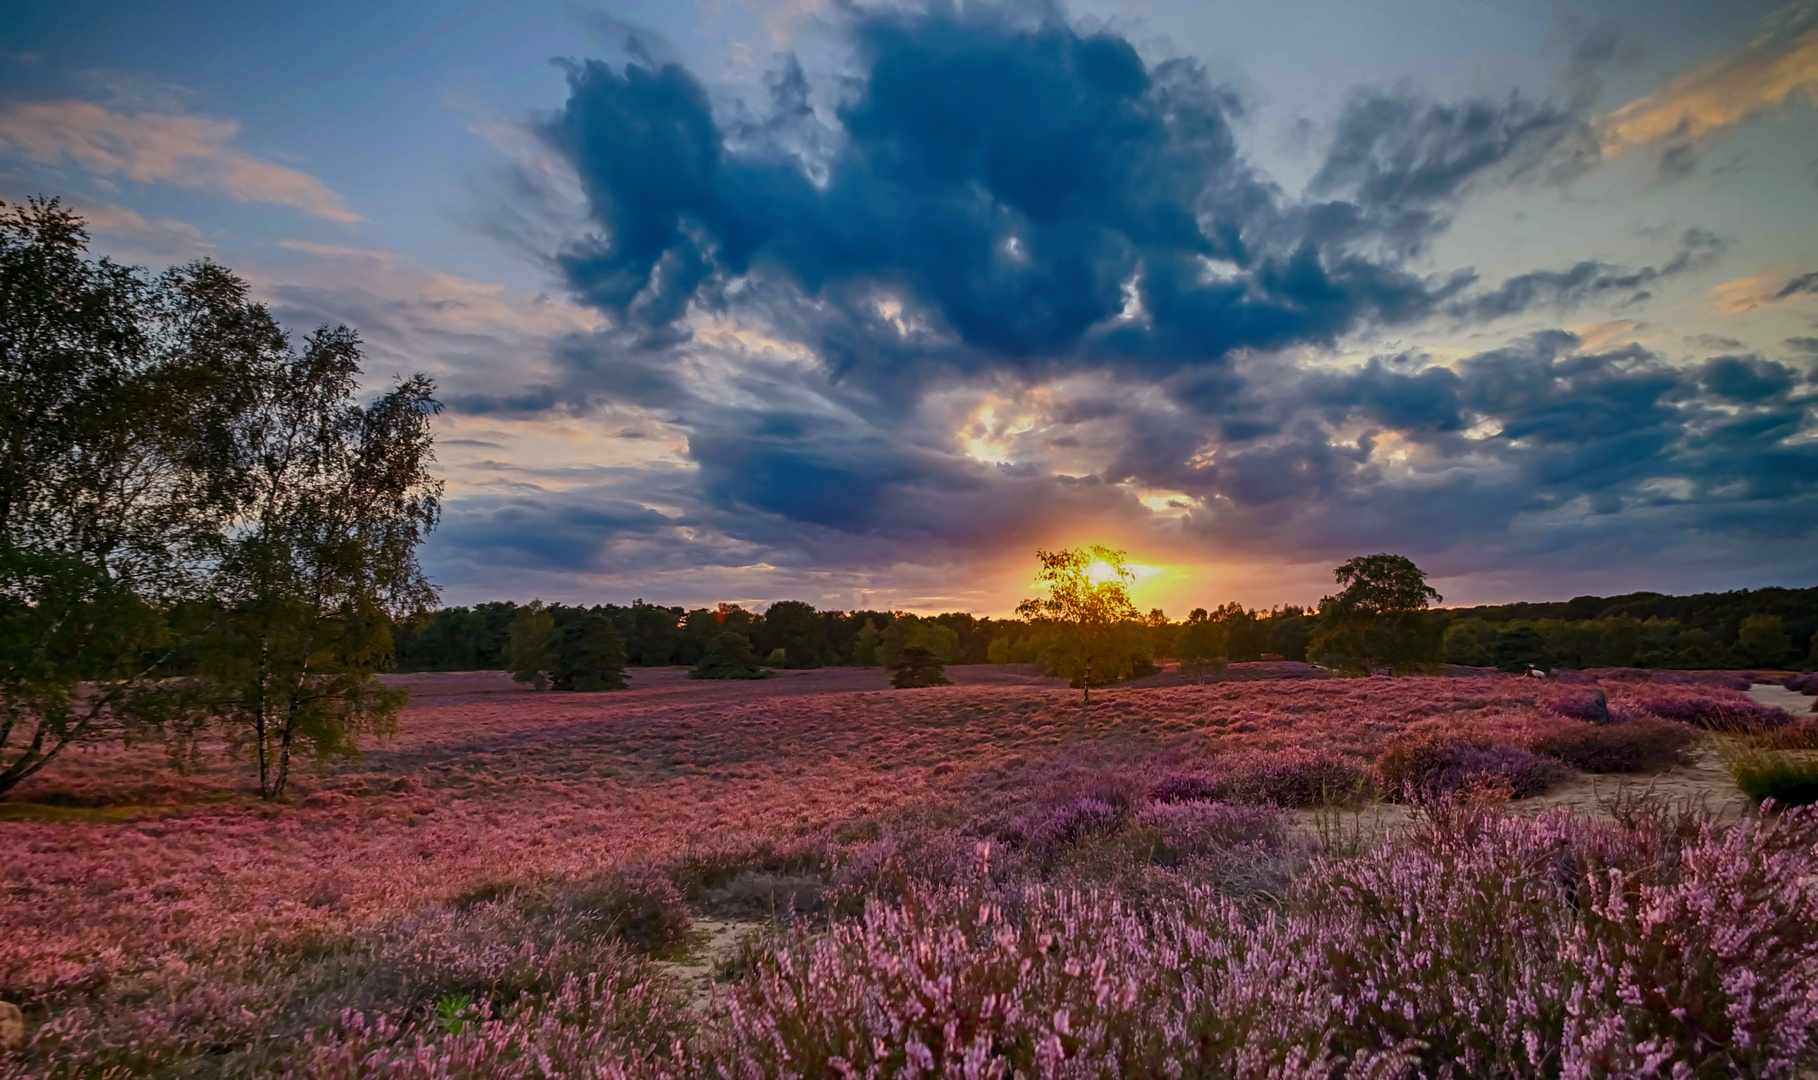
(601, 1026)
(1593, 707)
(1295, 777)
(1722, 709)
(1473, 944)
(176, 1014)
(1514, 947)
(1640, 745)
(1428, 765)
(1805, 683)
(639, 906)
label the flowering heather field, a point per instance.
(978, 880)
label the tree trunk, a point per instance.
(284, 750)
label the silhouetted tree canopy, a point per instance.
(729, 656)
(919, 666)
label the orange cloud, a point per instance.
(1745, 294)
(187, 150)
(1764, 74)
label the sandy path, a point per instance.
(1780, 697)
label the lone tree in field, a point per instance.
(919, 666)
(590, 656)
(319, 558)
(1087, 604)
(532, 646)
(729, 656)
(1377, 620)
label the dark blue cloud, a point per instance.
(1803, 283)
(1745, 378)
(1026, 195)
(1401, 160)
(1585, 282)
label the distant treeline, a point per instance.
(1766, 627)
(794, 634)
(1747, 627)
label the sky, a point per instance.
(862, 303)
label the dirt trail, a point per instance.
(715, 939)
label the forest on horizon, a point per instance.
(1642, 629)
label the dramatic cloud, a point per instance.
(1002, 196)
(1015, 285)
(187, 150)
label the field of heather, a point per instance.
(816, 875)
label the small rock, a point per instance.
(12, 1026)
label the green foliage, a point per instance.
(1517, 649)
(1469, 642)
(865, 646)
(590, 656)
(919, 666)
(334, 499)
(729, 656)
(1788, 779)
(912, 632)
(797, 631)
(533, 650)
(1378, 619)
(1763, 638)
(1656, 630)
(182, 492)
(119, 396)
(1201, 645)
(1290, 631)
(1087, 608)
(452, 1012)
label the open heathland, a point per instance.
(976, 879)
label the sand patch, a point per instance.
(1781, 698)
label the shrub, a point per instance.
(1070, 821)
(1640, 745)
(614, 1026)
(1183, 831)
(1425, 766)
(1295, 777)
(639, 906)
(1787, 779)
(1720, 709)
(919, 667)
(1594, 707)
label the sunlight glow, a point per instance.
(1101, 572)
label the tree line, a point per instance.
(1763, 627)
